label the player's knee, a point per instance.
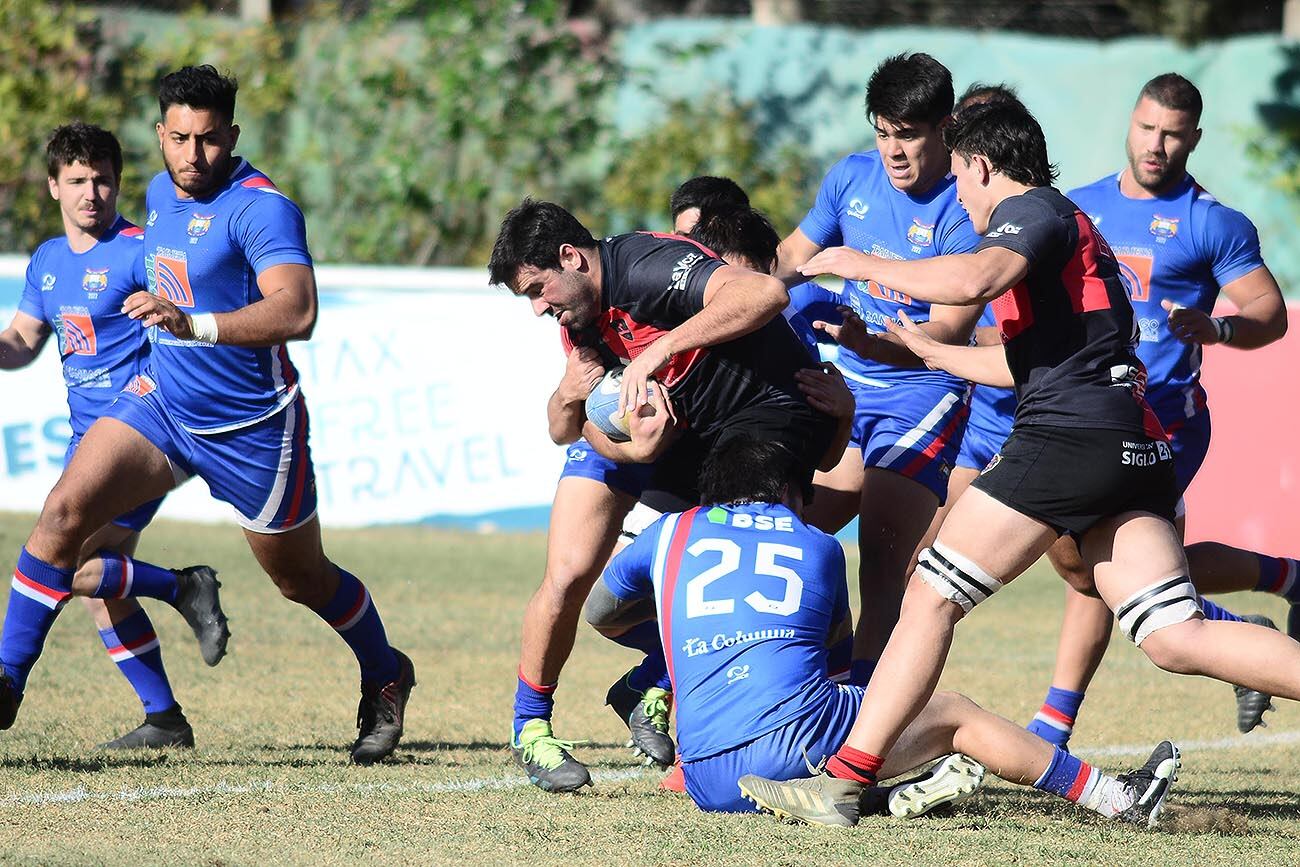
(60, 524)
(951, 706)
(568, 580)
(303, 586)
(954, 579)
(87, 578)
(1162, 619)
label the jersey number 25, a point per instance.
(765, 556)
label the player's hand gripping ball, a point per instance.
(602, 407)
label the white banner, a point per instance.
(426, 390)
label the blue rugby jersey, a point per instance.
(205, 256)
(858, 207)
(992, 408)
(80, 296)
(1183, 246)
(746, 596)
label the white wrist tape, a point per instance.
(1223, 328)
(205, 328)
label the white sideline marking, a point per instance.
(254, 787)
(1244, 742)
(163, 793)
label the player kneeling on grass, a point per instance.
(748, 599)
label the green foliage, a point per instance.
(706, 136)
(405, 133)
(55, 66)
(1187, 21)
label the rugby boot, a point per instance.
(158, 731)
(646, 716)
(1251, 704)
(546, 760)
(10, 698)
(1149, 785)
(954, 779)
(380, 714)
(198, 601)
(819, 800)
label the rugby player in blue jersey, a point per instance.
(231, 282)
(76, 285)
(1178, 248)
(748, 598)
(1086, 456)
(897, 201)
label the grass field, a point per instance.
(269, 782)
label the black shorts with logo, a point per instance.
(675, 483)
(1072, 478)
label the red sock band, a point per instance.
(851, 764)
(546, 689)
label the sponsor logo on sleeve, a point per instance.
(857, 209)
(1005, 229)
(682, 269)
(47, 282)
(153, 218)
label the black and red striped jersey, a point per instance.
(650, 284)
(1067, 327)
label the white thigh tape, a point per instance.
(1156, 606)
(956, 578)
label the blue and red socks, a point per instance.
(133, 646)
(532, 701)
(353, 616)
(122, 577)
(36, 596)
(1054, 721)
(1277, 575)
(1218, 612)
(1083, 784)
(851, 764)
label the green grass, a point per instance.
(269, 782)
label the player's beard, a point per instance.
(1157, 181)
(208, 182)
(582, 307)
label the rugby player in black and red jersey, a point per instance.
(1085, 456)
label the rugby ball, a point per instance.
(602, 406)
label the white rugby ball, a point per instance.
(602, 406)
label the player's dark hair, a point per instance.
(1009, 136)
(531, 234)
(707, 193)
(1174, 92)
(199, 87)
(980, 93)
(79, 142)
(739, 232)
(742, 469)
(910, 88)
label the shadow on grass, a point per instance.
(88, 764)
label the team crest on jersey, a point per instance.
(858, 209)
(1164, 227)
(76, 332)
(170, 277)
(198, 227)
(919, 234)
(94, 280)
(47, 282)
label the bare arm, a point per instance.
(287, 311)
(793, 252)
(960, 279)
(736, 302)
(1260, 318)
(983, 365)
(22, 341)
(566, 409)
